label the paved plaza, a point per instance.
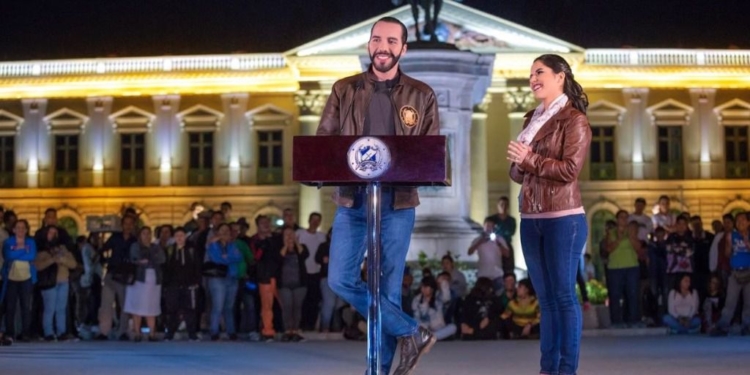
(658, 355)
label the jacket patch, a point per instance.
(409, 116)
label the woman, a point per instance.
(182, 276)
(224, 252)
(428, 310)
(143, 298)
(623, 272)
(458, 280)
(292, 279)
(546, 159)
(19, 273)
(56, 259)
(521, 316)
(91, 280)
(683, 308)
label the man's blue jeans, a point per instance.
(552, 248)
(348, 247)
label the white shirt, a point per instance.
(490, 262)
(645, 225)
(664, 220)
(312, 241)
(683, 306)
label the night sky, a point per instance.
(50, 29)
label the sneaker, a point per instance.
(254, 336)
(286, 338)
(194, 338)
(266, 338)
(412, 349)
(49, 338)
(297, 338)
(69, 337)
(233, 337)
(125, 337)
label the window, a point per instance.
(66, 160)
(7, 160)
(736, 149)
(201, 148)
(132, 159)
(670, 152)
(602, 166)
(270, 158)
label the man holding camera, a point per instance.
(490, 249)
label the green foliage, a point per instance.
(596, 290)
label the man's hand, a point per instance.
(526, 330)
(484, 323)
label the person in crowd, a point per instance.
(738, 252)
(622, 277)
(182, 278)
(407, 293)
(451, 302)
(684, 308)
(223, 286)
(481, 312)
(504, 226)
(49, 221)
(718, 261)
(490, 249)
(459, 285)
(664, 217)
(680, 251)
(267, 250)
(331, 302)
(166, 238)
(428, 310)
(53, 263)
(507, 294)
(292, 281)
(657, 267)
(116, 252)
(244, 305)
(311, 238)
(143, 297)
(19, 273)
(91, 279)
(522, 315)
(603, 244)
(226, 210)
(702, 241)
(645, 223)
(589, 272)
(713, 304)
(195, 210)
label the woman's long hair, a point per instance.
(571, 88)
(430, 282)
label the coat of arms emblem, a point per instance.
(369, 157)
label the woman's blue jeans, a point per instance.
(223, 295)
(55, 306)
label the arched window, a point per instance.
(70, 225)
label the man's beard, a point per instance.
(386, 67)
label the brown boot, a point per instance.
(412, 348)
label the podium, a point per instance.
(371, 161)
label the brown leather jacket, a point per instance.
(415, 109)
(549, 173)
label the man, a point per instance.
(377, 102)
(290, 221)
(182, 278)
(505, 227)
(312, 239)
(701, 264)
(226, 210)
(645, 224)
(117, 253)
(266, 250)
(490, 249)
(664, 218)
(680, 252)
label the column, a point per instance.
(165, 107)
(519, 101)
(235, 105)
(635, 101)
(479, 189)
(30, 138)
(99, 109)
(703, 100)
(310, 103)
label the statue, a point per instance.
(430, 18)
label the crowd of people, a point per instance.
(667, 270)
(211, 278)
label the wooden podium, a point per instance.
(371, 161)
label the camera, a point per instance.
(493, 236)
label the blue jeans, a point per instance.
(55, 305)
(552, 248)
(623, 282)
(223, 294)
(348, 247)
(693, 327)
(330, 303)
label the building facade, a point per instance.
(92, 136)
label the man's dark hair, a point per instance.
(50, 210)
(664, 197)
(695, 218)
(180, 229)
(259, 218)
(227, 204)
(728, 216)
(315, 214)
(503, 198)
(404, 33)
(682, 218)
(640, 200)
(510, 274)
(9, 214)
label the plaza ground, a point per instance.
(659, 355)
